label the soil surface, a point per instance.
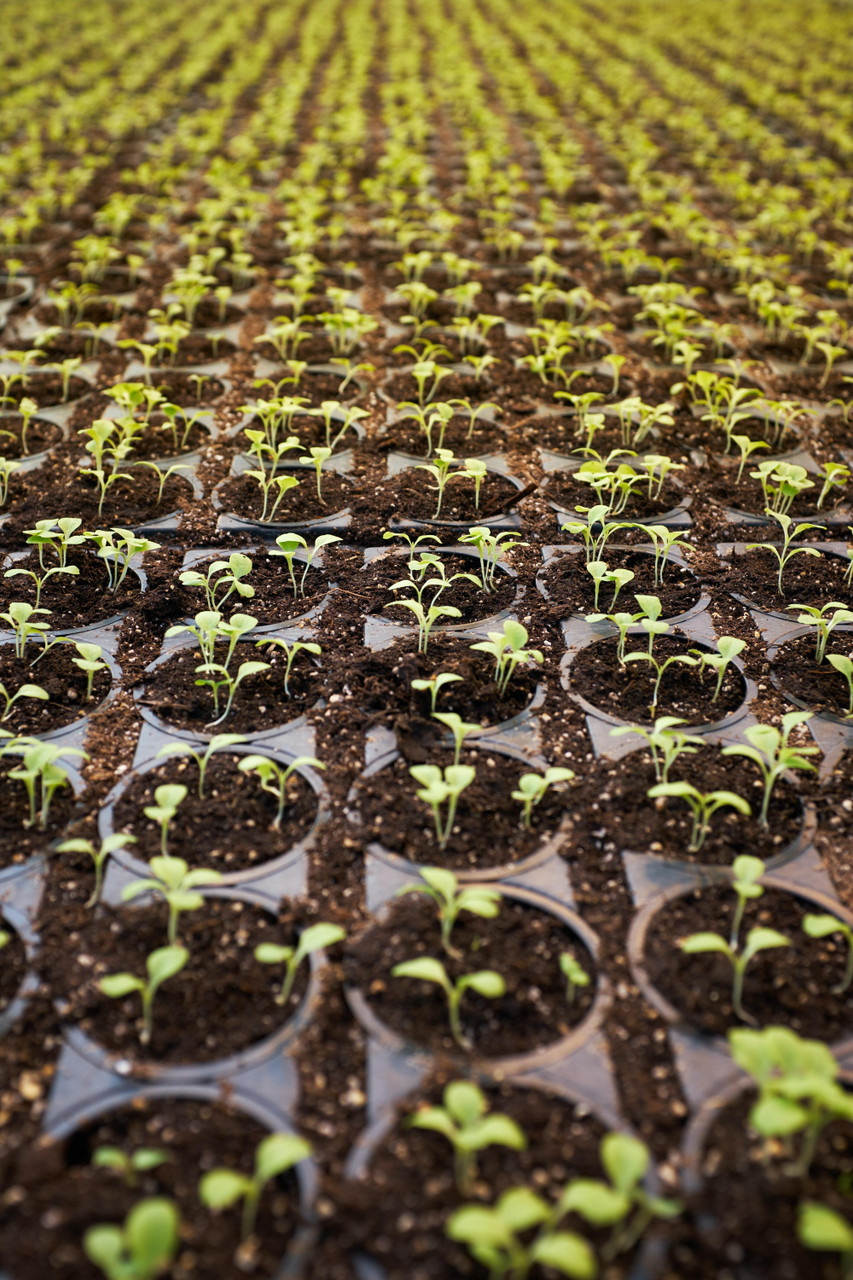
(55, 674)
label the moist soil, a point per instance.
(14, 965)
(788, 986)
(47, 388)
(64, 683)
(748, 495)
(571, 589)
(76, 600)
(18, 840)
(613, 800)
(183, 388)
(315, 387)
(474, 604)
(311, 432)
(158, 440)
(568, 493)
(274, 600)
(59, 1193)
(486, 436)
(242, 497)
(220, 1003)
(521, 943)
(627, 691)
(392, 816)
(817, 685)
(41, 435)
(748, 1197)
(260, 702)
(231, 828)
(806, 580)
(412, 496)
(129, 503)
(380, 683)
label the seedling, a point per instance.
(434, 684)
(442, 886)
(490, 548)
(89, 661)
(768, 748)
(129, 1166)
(781, 483)
(176, 884)
(728, 648)
(575, 975)
(221, 579)
(441, 470)
(117, 547)
(507, 649)
(703, 805)
(493, 1236)
(9, 698)
(666, 743)
(218, 742)
(835, 476)
(39, 579)
(140, 1249)
(757, 940)
(439, 787)
(275, 1155)
(8, 467)
(844, 666)
(825, 1231)
(273, 778)
(99, 856)
(823, 622)
(533, 786)
(467, 1127)
(160, 965)
(41, 775)
(167, 798)
(660, 668)
(290, 651)
(823, 926)
(600, 572)
(314, 938)
(315, 457)
(786, 552)
(459, 728)
(288, 545)
(270, 485)
(485, 982)
(427, 618)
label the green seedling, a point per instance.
(9, 699)
(494, 1234)
(140, 1249)
(167, 798)
(844, 666)
(441, 470)
(835, 476)
(439, 787)
(600, 572)
(218, 742)
(823, 1230)
(703, 805)
(100, 856)
(823, 623)
(433, 686)
(746, 448)
(781, 483)
(798, 1089)
(459, 729)
(786, 552)
(728, 648)
(129, 1166)
(666, 743)
(427, 618)
(490, 548)
(41, 775)
(221, 579)
(117, 547)
(290, 653)
(824, 926)
(177, 885)
(757, 940)
(442, 886)
(273, 778)
(89, 661)
(314, 938)
(217, 677)
(660, 669)
(464, 1122)
(288, 544)
(275, 1155)
(272, 484)
(532, 788)
(507, 649)
(40, 579)
(768, 748)
(575, 975)
(160, 965)
(8, 467)
(315, 457)
(163, 474)
(485, 982)
(27, 408)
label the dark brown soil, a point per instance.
(569, 493)
(310, 432)
(73, 600)
(183, 388)
(158, 441)
(395, 818)
(220, 1003)
(522, 944)
(570, 587)
(473, 603)
(57, 675)
(273, 600)
(230, 829)
(380, 683)
(62, 1194)
(259, 703)
(806, 580)
(627, 691)
(14, 964)
(18, 842)
(486, 437)
(41, 435)
(818, 685)
(412, 496)
(129, 503)
(613, 800)
(46, 388)
(788, 986)
(242, 496)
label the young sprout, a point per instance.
(34, 691)
(427, 618)
(176, 884)
(825, 1231)
(768, 748)
(140, 1249)
(533, 786)
(273, 778)
(117, 547)
(485, 982)
(40, 579)
(507, 649)
(167, 798)
(823, 623)
(728, 648)
(786, 552)
(757, 940)
(89, 660)
(289, 543)
(703, 805)
(129, 1166)
(20, 618)
(823, 926)
(7, 468)
(441, 470)
(220, 1188)
(438, 787)
(459, 728)
(434, 684)
(490, 547)
(494, 1233)
(221, 576)
(290, 651)
(312, 939)
(467, 1127)
(160, 965)
(442, 886)
(600, 572)
(218, 742)
(660, 668)
(575, 975)
(835, 476)
(269, 484)
(666, 743)
(844, 666)
(40, 769)
(99, 856)
(315, 457)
